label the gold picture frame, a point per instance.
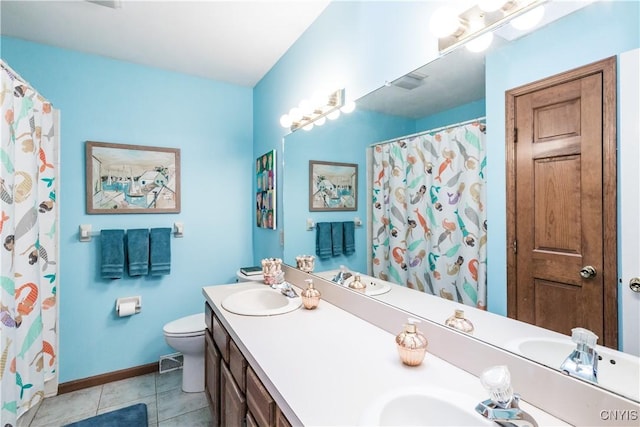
(126, 179)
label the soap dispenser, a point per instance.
(357, 284)
(412, 344)
(310, 296)
(459, 322)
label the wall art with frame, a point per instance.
(125, 179)
(333, 186)
(266, 190)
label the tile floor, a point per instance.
(167, 404)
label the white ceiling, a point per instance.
(231, 41)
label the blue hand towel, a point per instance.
(349, 238)
(138, 251)
(160, 251)
(112, 256)
(337, 232)
(323, 240)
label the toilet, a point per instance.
(186, 335)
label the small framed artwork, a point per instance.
(125, 179)
(266, 190)
(333, 186)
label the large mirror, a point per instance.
(447, 91)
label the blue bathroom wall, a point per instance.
(596, 32)
(112, 101)
(352, 45)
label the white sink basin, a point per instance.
(374, 286)
(260, 302)
(424, 406)
(618, 372)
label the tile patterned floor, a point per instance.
(167, 404)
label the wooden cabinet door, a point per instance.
(232, 402)
(212, 377)
(260, 403)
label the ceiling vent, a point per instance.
(410, 81)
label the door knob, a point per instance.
(634, 284)
(588, 272)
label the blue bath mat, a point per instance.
(131, 416)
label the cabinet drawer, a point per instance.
(259, 401)
(208, 317)
(237, 365)
(221, 338)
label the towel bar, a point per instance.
(311, 224)
(85, 232)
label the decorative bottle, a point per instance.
(459, 322)
(357, 284)
(310, 296)
(412, 344)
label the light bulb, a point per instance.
(480, 43)
(334, 114)
(305, 107)
(295, 114)
(308, 127)
(348, 107)
(319, 99)
(285, 121)
(490, 5)
(529, 19)
(320, 121)
(444, 22)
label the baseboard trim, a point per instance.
(107, 378)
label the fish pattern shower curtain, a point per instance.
(28, 232)
(429, 229)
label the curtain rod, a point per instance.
(413, 135)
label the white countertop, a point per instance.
(325, 366)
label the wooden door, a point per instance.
(561, 211)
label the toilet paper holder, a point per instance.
(127, 301)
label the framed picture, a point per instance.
(333, 186)
(124, 179)
(266, 190)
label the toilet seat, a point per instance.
(188, 326)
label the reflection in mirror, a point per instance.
(391, 112)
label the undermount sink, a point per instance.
(424, 406)
(617, 371)
(260, 302)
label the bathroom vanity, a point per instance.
(326, 366)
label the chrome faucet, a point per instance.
(503, 407)
(284, 287)
(342, 275)
(583, 361)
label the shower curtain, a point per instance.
(29, 239)
(429, 229)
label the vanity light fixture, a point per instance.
(315, 112)
(480, 20)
